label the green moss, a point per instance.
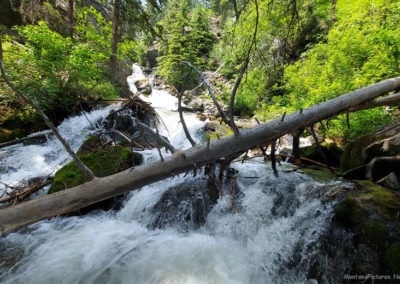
(371, 212)
(376, 233)
(319, 174)
(102, 163)
(392, 257)
(349, 212)
(385, 201)
(221, 130)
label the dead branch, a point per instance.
(241, 73)
(100, 189)
(159, 138)
(210, 91)
(20, 193)
(182, 119)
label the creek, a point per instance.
(274, 236)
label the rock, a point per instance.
(370, 213)
(330, 150)
(185, 206)
(201, 116)
(382, 148)
(390, 181)
(143, 86)
(8, 135)
(103, 160)
(214, 130)
(361, 151)
(210, 126)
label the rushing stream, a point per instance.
(272, 238)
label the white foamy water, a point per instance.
(267, 240)
(19, 162)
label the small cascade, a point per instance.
(175, 230)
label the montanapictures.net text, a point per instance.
(371, 276)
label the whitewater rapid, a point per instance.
(271, 238)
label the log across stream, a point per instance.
(279, 219)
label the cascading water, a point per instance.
(272, 238)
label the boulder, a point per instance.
(383, 142)
(104, 160)
(214, 130)
(371, 214)
(390, 181)
(143, 86)
(185, 206)
(329, 150)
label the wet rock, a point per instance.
(143, 86)
(185, 206)
(123, 121)
(370, 214)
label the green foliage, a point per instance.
(187, 39)
(284, 31)
(362, 48)
(57, 71)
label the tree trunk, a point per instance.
(116, 38)
(102, 188)
(71, 17)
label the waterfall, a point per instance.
(272, 237)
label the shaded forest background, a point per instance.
(278, 56)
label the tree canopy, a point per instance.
(283, 55)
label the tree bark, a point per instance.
(71, 17)
(102, 188)
(116, 38)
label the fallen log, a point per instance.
(42, 136)
(100, 189)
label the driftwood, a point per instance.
(182, 161)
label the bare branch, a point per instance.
(160, 139)
(243, 69)
(185, 129)
(210, 91)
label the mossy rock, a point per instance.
(392, 257)
(215, 130)
(371, 213)
(330, 150)
(103, 162)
